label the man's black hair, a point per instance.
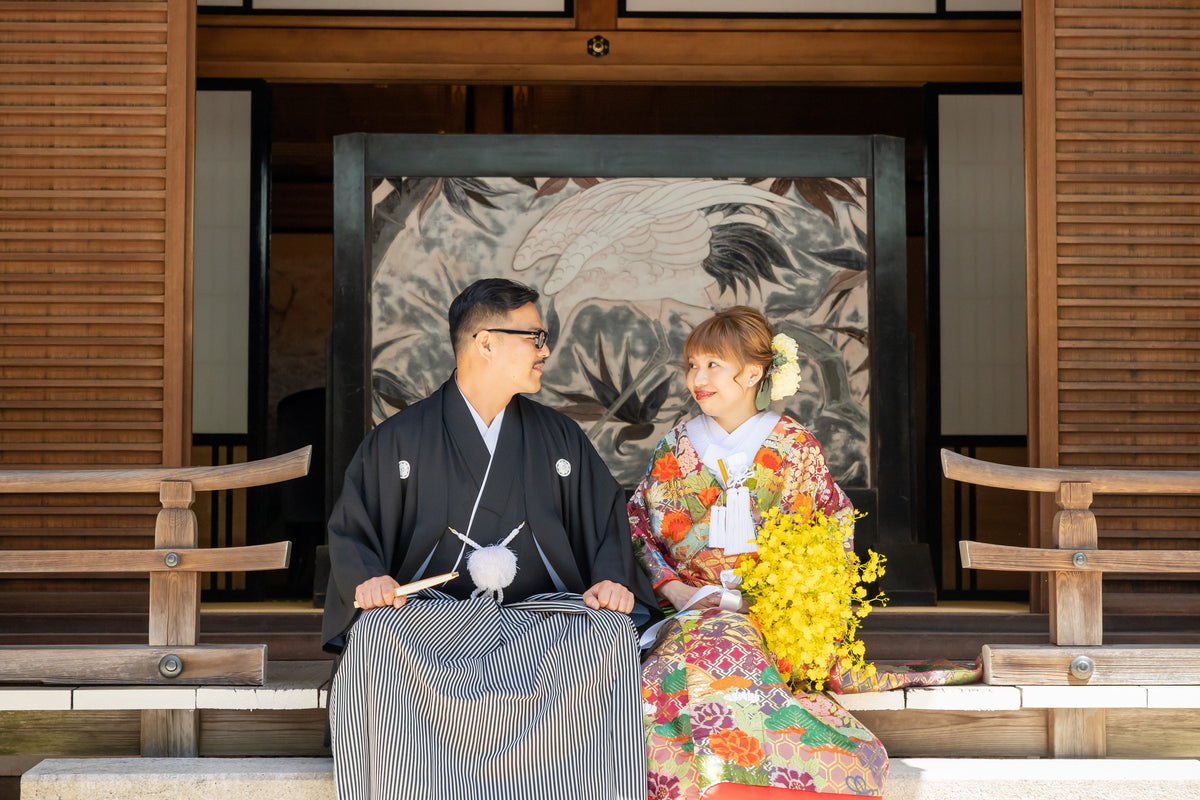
(483, 300)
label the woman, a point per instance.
(720, 720)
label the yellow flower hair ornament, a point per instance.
(783, 378)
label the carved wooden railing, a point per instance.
(1077, 656)
(172, 655)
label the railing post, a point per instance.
(174, 618)
(1075, 598)
(1076, 618)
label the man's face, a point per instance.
(517, 360)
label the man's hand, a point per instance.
(379, 592)
(607, 594)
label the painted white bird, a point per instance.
(650, 240)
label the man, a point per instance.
(457, 695)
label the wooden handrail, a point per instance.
(1040, 479)
(221, 559)
(171, 654)
(228, 476)
(983, 555)
(1075, 567)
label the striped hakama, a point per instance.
(468, 699)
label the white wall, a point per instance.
(981, 208)
(220, 339)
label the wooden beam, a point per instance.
(1112, 665)
(237, 665)
(962, 734)
(895, 56)
(984, 555)
(223, 559)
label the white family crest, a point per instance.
(405, 469)
(562, 467)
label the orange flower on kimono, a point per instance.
(675, 524)
(803, 505)
(768, 460)
(666, 468)
(708, 495)
(737, 746)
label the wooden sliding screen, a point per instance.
(96, 106)
(1113, 164)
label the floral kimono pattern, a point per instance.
(719, 716)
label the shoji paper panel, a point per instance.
(221, 266)
(981, 212)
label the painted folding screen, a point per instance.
(632, 241)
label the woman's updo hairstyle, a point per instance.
(740, 334)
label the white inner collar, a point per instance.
(490, 433)
(736, 449)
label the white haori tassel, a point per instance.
(731, 526)
(739, 523)
(492, 568)
(716, 527)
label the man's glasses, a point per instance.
(539, 336)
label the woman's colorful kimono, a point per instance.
(720, 720)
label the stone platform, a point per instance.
(312, 779)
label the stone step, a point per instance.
(179, 779)
(312, 779)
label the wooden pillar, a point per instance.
(1076, 618)
(174, 619)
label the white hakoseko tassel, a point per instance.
(492, 568)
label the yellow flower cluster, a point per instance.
(808, 594)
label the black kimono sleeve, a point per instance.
(600, 510)
(357, 550)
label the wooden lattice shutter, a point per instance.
(1113, 105)
(95, 193)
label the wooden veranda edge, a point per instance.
(1035, 479)
(229, 476)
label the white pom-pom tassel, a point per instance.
(492, 568)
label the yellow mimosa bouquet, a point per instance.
(809, 594)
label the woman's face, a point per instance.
(723, 388)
